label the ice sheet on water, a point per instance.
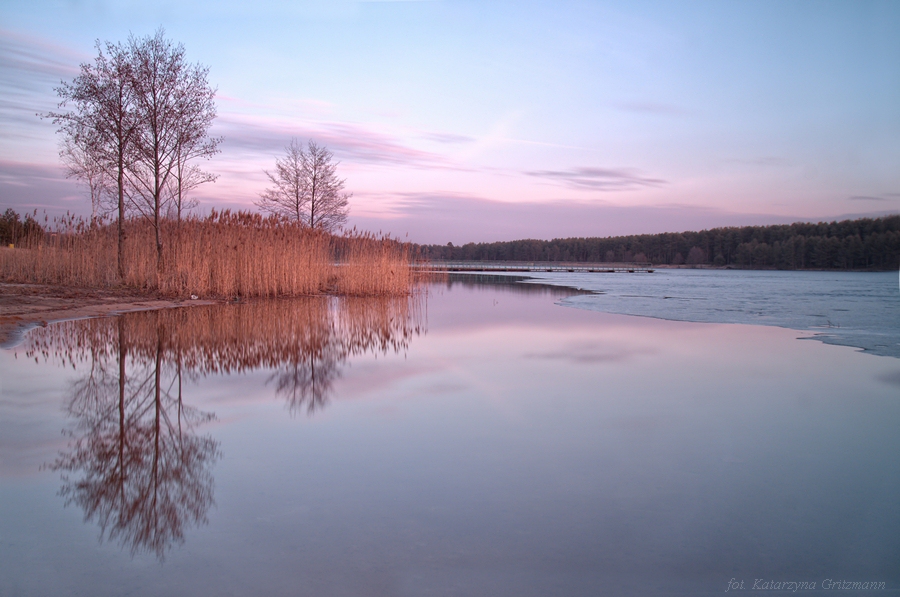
(860, 309)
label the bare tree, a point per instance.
(84, 165)
(307, 188)
(328, 205)
(138, 115)
(99, 122)
(176, 107)
(185, 178)
(288, 196)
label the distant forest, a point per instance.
(851, 244)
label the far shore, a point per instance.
(24, 306)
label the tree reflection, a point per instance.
(135, 464)
(308, 383)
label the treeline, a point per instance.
(850, 244)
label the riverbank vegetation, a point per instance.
(850, 244)
(134, 124)
(224, 254)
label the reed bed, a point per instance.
(222, 255)
(366, 264)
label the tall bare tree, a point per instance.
(187, 176)
(307, 188)
(175, 106)
(98, 119)
(138, 115)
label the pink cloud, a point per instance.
(26, 187)
(600, 179)
(352, 143)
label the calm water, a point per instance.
(487, 441)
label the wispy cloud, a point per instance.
(22, 173)
(590, 353)
(29, 70)
(448, 138)
(27, 63)
(38, 186)
(600, 179)
(350, 142)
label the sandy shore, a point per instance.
(23, 306)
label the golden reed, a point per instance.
(224, 254)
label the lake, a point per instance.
(484, 439)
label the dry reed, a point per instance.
(224, 254)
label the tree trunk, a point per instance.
(157, 197)
(120, 256)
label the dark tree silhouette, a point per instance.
(14, 228)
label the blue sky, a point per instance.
(472, 121)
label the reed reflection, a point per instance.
(136, 464)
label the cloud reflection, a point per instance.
(589, 353)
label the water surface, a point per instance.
(486, 441)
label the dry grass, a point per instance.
(223, 255)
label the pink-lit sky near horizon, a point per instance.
(479, 121)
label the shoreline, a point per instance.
(26, 306)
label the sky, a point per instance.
(470, 121)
